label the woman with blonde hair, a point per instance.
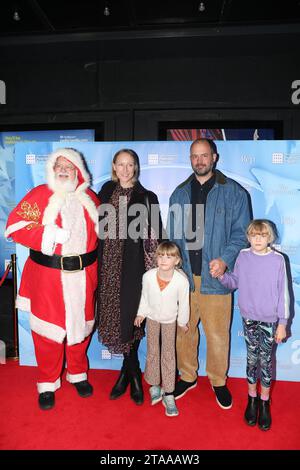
(121, 267)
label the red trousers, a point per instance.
(50, 360)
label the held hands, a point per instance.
(217, 267)
(138, 321)
(184, 328)
(280, 333)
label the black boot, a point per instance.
(120, 386)
(264, 415)
(251, 411)
(46, 400)
(84, 388)
(136, 388)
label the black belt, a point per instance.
(69, 263)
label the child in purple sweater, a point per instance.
(260, 275)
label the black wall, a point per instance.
(131, 82)
(126, 84)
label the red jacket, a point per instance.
(60, 304)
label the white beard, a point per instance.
(64, 186)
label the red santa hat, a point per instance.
(57, 200)
(74, 157)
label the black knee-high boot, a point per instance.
(134, 373)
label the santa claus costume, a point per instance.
(59, 278)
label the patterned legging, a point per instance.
(161, 358)
(259, 337)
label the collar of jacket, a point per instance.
(108, 188)
(220, 179)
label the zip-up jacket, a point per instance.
(227, 215)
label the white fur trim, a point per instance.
(48, 239)
(75, 378)
(89, 325)
(48, 386)
(55, 203)
(17, 226)
(74, 283)
(23, 303)
(74, 157)
(91, 208)
(46, 329)
(58, 200)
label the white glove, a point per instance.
(62, 235)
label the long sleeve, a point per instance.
(144, 308)
(24, 224)
(283, 308)
(231, 280)
(183, 303)
(238, 238)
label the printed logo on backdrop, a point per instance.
(248, 159)
(2, 92)
(32, 159)
(279, 158)
(152, 158)
(106, 355)
(157, 159)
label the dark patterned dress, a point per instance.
(109, 296)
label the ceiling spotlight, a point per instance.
(201, 7)
(106, 11)
(16, 16)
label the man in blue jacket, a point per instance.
(208, 216)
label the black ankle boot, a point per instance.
(136, 388)
(251, 411)
(46, 400)
(120, 386)
(264, 415)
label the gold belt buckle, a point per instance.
(68, 270)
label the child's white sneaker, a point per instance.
(169, 404)
(155, 394)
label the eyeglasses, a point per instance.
(68, 168)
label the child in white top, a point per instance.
(165, 303)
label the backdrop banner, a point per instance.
(269, 172)
(7, 174)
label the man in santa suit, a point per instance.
(58, 222)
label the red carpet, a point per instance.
(99, 423)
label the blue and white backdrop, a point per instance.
(269, 170)
(7, 174)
